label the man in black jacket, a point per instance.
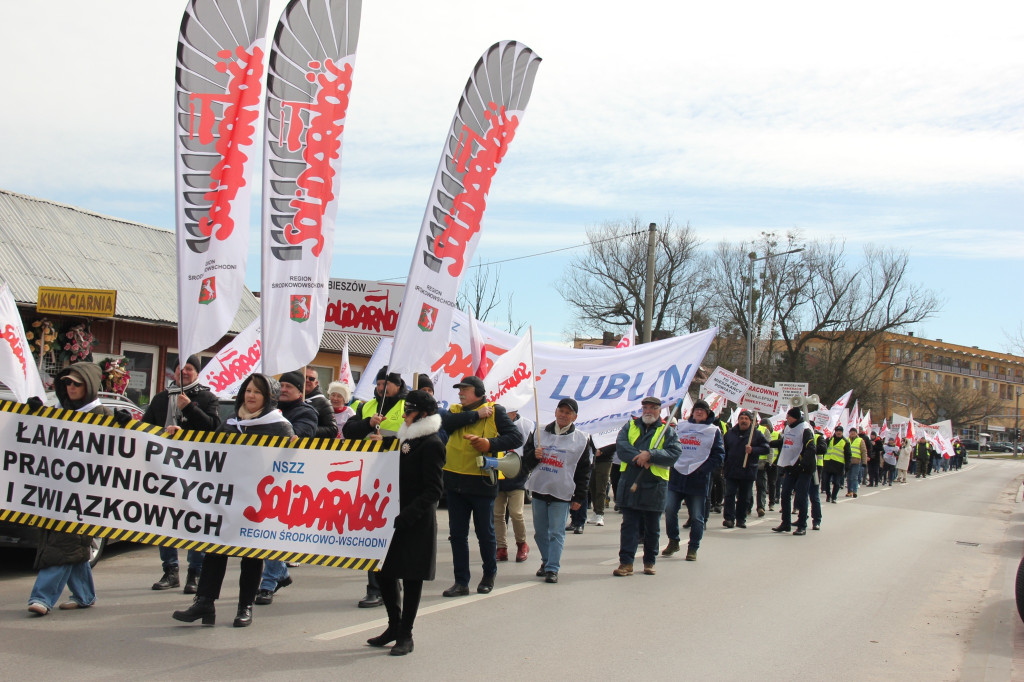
(302, 417)
(186, 405)
(797, 460)
(744, 445)
(326, 427)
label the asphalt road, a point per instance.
(913, 583)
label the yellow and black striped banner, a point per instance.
(12, 461)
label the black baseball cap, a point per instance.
(476, 383)
(570, 403)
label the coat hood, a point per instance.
(90, 373)
(269, 387)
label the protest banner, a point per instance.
(309, 84)
(357, 306)
(760, 399)
(325, 501)
(791, 389)
(724, 382)
(218, 91)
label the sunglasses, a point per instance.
(310, 378)
(68, 381)
(410, 410)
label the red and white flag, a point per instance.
(835, 413)
(308, 90)
(510, 380)
(628, 339)
(910, 428)
(227, 369)
(216, 110)
(346, 367)
(485, 123)
(17, 370)
(477, 348)
(865, 422)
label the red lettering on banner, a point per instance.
(519, 375)
(236, 366)
(551, 462)
(13, 340)
(365, 317)
(329, 508)
(457, 363)
(463, 218)
(235, 131)
(690, 440)
(322, 146)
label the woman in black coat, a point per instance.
(413, 551)
(256, 413)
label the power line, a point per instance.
(534, 255)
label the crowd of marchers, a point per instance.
(567, 481)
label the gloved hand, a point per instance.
(35, 403)
(122, 416)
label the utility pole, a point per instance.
(652, 237)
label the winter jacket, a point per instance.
(651, 489)
(302, 417)
(507, 437)
(326, 426)
(199, 415)
(358, 427)
(699, 482)
(735, 453)
(581, 474)
(54, 547)
(413, 550)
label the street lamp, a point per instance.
(750, 302)
(1016, 423)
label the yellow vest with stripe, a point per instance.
(767, 436)
(392, 420)
(836, 451)
(634, 433)
(855, 449)
(819, 457)
(461, 457)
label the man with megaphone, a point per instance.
(559, 458)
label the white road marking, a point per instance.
(453, 603)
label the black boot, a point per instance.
(168, 581)
(243, 618)
(202, 607)
(191, 581)
(403, 646)
(386, 637)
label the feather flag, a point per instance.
(308, 88)
(216, 110)
(486, 119)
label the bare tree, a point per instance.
(933, 402)
(481, 295)
(605, 284)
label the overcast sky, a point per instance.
(895, 123)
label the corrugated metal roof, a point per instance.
(44, 243)
(358, 344)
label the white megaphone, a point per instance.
(508, 466)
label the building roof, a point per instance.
(44, 243)
(358, 344)
(940, 345)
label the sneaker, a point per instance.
(266, 597)
(671, 548)
(691, 555)
(649, 569)
(623, 570)
(38, 609)
(503, 554)
(71, 605)
(599, 520)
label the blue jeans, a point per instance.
(696, 507)
(814, 495)
(51, 581)
(853, 478)
(273, 573)
(629, 535)
(737, 499)
(169, 558)
(549, 531)
(460, 509)
(673, 501)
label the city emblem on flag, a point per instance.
(208, 291)
(300, 307)
(428, 316)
